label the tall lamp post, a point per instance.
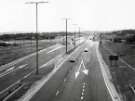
(36, 5)
(66, 20)
(79, 35)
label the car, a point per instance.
(85, 50)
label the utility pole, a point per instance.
(66, 35)
(79, 34)
(36, 5)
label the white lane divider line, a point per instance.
(7, 72)
(82, 93)
(83, 86)
(35, 88)
(57, 93)
(12, 69)
(65, 79)
(83, 90)
(50, 62)
(25, 57)
(82, 97)
(54, 49)
(110, 86)
(22, 66)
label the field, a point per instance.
(123, 74)
(22, 48)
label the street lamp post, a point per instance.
(66, 35)
(66, 20)
(79, 34)
(36, 5)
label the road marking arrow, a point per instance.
(85, 71)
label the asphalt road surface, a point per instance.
(16, 70)
(81, 80)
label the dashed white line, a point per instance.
(54, 49)
(31, 92)
(83, 90)
(65, 79)
(82, 93)
(22, 66)
(12, 69)
(82, 97)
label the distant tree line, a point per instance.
(31, 36)
(127, 36)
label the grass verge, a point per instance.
(123, 76)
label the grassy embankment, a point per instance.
(123, 76)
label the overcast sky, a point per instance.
(15, 15)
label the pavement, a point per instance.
(82, 80)
(18, 69)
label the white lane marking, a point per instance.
(85, 71)
(23, 58)
(35, 88)
(27, 75)
(83, 86)
(133, 89)
(82, 93)
(57, 93)
(22, 66)
(10, 95)
(50, 61)
(12, 69)
(65, 79)
(55, 49)
(78, 71)
(83, 90)
(82, 97)
(111, 88)
(9, 87)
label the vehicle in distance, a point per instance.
(85, 50)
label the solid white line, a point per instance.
(111, 88)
